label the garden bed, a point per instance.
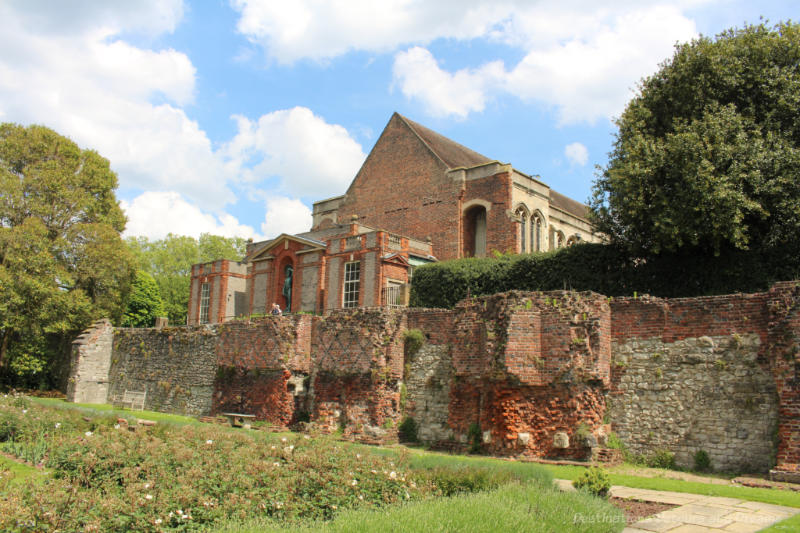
(636, 510)
(187, 476)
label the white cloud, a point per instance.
(319, 29)
(443, 93)
(67, 69)
(586, 71)
(285, 215)
(154, 214)
(581, 57)
(149, 17)
(592, 75)
(576, 153)
(305, 152)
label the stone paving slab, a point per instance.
(697, 513)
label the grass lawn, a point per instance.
(773, 496)
(21, 473)
(512, 507)
(108, 409)
(522, 503)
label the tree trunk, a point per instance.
(3, 348)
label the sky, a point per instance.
(233, 117)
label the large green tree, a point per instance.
(62, 261)
(144, 303)
(707, 156)
(169, 261)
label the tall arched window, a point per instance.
(536, 232)
(523, 229)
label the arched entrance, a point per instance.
(474, 237)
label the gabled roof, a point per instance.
(453, 155)
(268, 245)
(569, 205)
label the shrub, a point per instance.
(452, 481)
(594, 480)
(605, 269)
(407, 431)
(660, 458)
(702, 462)
(475, 438)
(414, 340)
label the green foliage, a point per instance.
(475, 438)
(199, 477)
(660, 459)
(62, 262)
(118, 480)
(614, 442)
(605, 269)
(144, 304)
(452, 481)
(702, 462)
(414, 340)
(407, 431)
(594, 480)
(169, 261)
(707, 154)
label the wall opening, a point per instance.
(474, 237)
(287, 283)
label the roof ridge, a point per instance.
(453, 154)
(408, 122)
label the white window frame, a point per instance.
(351, 288)
(205, 300)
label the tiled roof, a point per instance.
(568, 204)
(453, 154)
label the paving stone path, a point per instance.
(699, 514)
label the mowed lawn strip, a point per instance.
(774, 496)
(512, 507)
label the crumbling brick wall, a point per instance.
(530, 374)
(524, 366)
(358, 367)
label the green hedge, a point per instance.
(607, 270)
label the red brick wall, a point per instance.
(256, 360)
(681, 318)
(386, 191)
(502, 233)
(784, 344)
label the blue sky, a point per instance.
(233, 117)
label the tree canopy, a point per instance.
(707, 155)
(169, 261)
(62, 261)
(144, 303)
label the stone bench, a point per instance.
(239, 419)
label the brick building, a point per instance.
(417, 197)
